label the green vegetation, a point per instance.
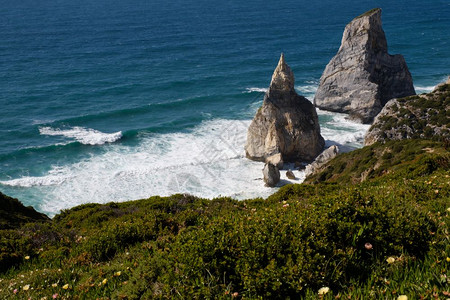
(425, 116)
(379, 238)
(399, 159)
(13, 214)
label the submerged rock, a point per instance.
(362, 76)
(271, 174)
(286, 124)
(321, 160)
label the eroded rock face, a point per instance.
(271, 175)
(276, 160)
(362, 77)
(321, 160)
(286, 124)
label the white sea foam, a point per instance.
(208, 162)
(308, 90)
(255, 89)
(424, 89)
(429, 88)
(342, 131)
(83, 135)
(56, 176)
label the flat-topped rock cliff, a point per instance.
(362, 76)
(424, 116)
(286, 124)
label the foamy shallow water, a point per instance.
(207, 162)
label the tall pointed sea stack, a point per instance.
(286, 127)
(362, 76)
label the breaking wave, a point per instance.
(83, 135)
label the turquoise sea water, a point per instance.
(116, 100)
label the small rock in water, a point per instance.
(271, 175)
(290, 174)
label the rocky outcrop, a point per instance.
(362, 77)
(286, 124)
(422, 116)
(321, 160)
(271, 175)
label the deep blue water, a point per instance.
(93, 90)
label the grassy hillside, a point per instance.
(377, 239)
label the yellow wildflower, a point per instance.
(402, 297)
(448, 259)
(54, 284)
(105, 281)
(27, 257)
(117, 273)
(26, 288)
(324, 290)
(390, 260)
(66, 286)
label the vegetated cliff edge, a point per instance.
(14, 214)
(425, 116)
(362, 76)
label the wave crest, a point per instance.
(86, 136)
(424, 89)
(255, 89)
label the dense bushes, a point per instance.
(297, 245)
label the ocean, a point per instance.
(120, 100)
